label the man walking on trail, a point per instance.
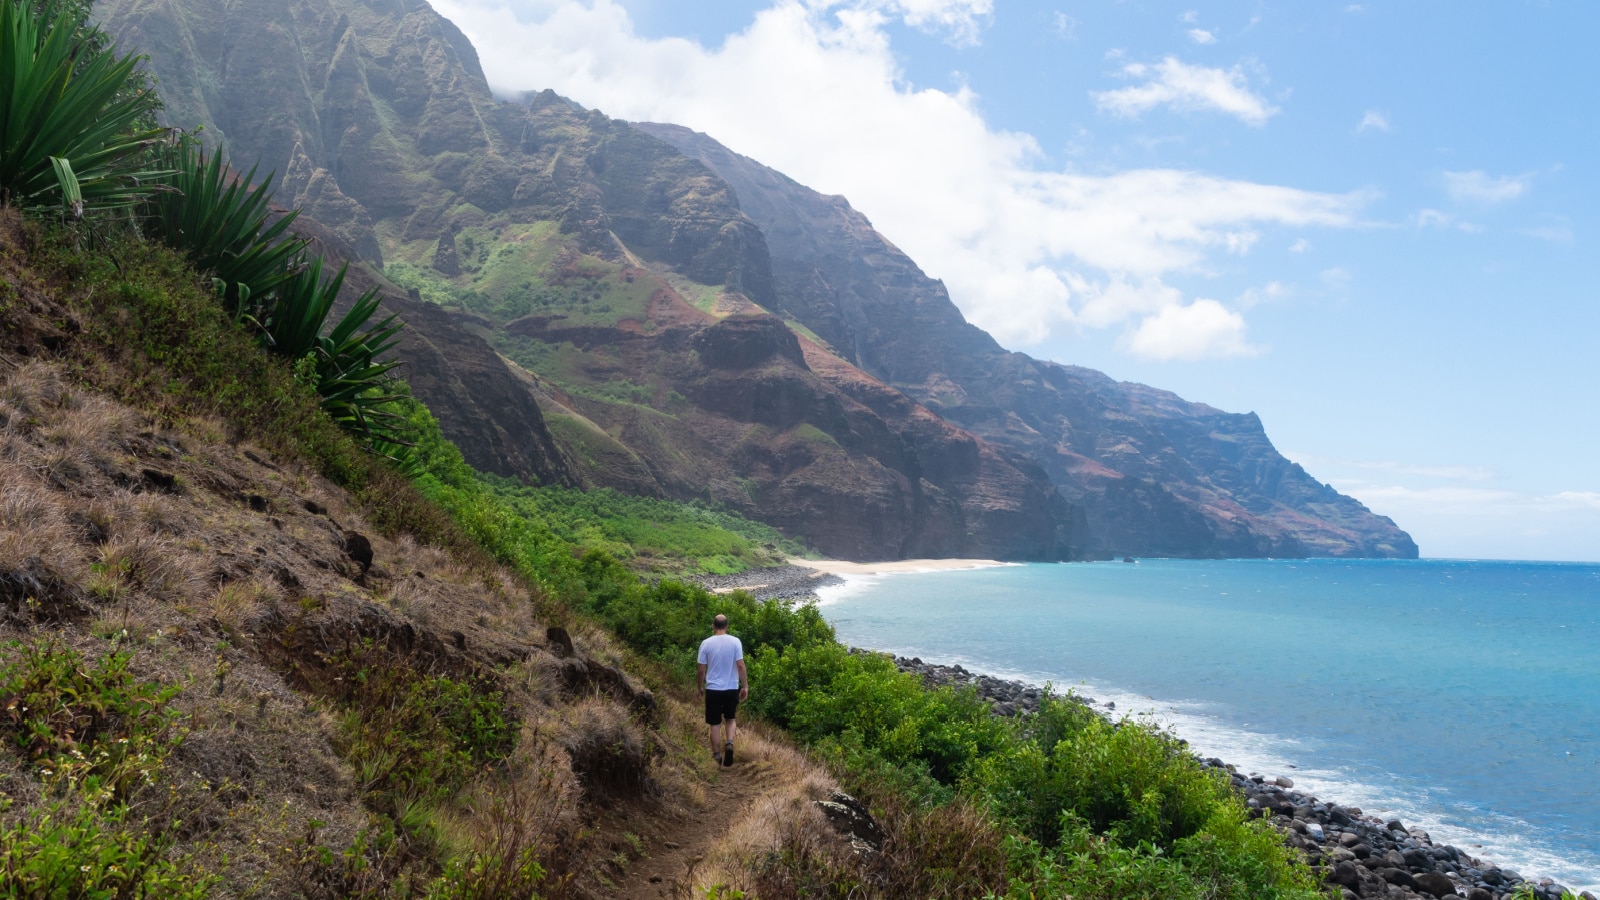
(723, 683)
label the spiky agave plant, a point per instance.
(351, 373)
(221, 223)
(74, 118)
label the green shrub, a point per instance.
(95, 734)
(415, 738)
(1127, 781)
(71, 851)
(92, 725)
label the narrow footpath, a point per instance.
(667, 870)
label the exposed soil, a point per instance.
(674, 844)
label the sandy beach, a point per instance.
(844, 567)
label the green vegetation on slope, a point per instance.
(1094, 810)
(538, 529)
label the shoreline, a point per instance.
(1360, 855)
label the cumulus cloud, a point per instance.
(1201, 330)
(1482, 188)
(813, 89)
(1373, 121)
(1175, 84)
(1202, 36)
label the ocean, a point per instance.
(1462, 697)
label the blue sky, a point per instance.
(1370, 223)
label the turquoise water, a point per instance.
(1463, 697)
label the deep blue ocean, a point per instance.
(1462, 697)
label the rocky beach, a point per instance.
(1360, 855)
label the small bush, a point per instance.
(417, 738)
(81, 850)
(93, 725)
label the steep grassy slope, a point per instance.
(1151, 473)
(242, 658)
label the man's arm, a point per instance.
(702, 668)
(744, 682)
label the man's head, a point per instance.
(720, 623)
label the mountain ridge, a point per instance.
(602, 261)
(1126, 454)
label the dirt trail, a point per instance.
(673, 851)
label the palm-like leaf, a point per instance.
(221, 223)
(352, 376)
(70, 113)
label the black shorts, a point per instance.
(720, 705)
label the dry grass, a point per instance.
(197, 568)
(225, 572)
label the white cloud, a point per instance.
(1065, 26)
(1272, 290)
(1488, 523)
(1300, 245)
(1447, 472)
(1373, 121)
(813, 89)
(1204, 329)
(962, 20)
(1202, 36)
(1555, 234)
(1482, 188)
(1180, 86)
(1433, 218)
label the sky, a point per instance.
(1373, 223)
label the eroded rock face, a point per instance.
(784, 433)
(482, 406)
(1150, 473)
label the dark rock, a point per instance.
(559, 641)
(1347, 874)
(1478, 893)
(359, 549)
(852, 818)
(1397, 877)
(161, 481)
(1436, 884)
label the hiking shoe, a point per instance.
(727, 753)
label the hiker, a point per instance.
(723, 683)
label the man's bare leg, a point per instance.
(716, 745)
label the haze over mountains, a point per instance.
(686, 322)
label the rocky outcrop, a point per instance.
(761, 422)
(1149, 473)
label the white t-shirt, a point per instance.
(720, 654)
